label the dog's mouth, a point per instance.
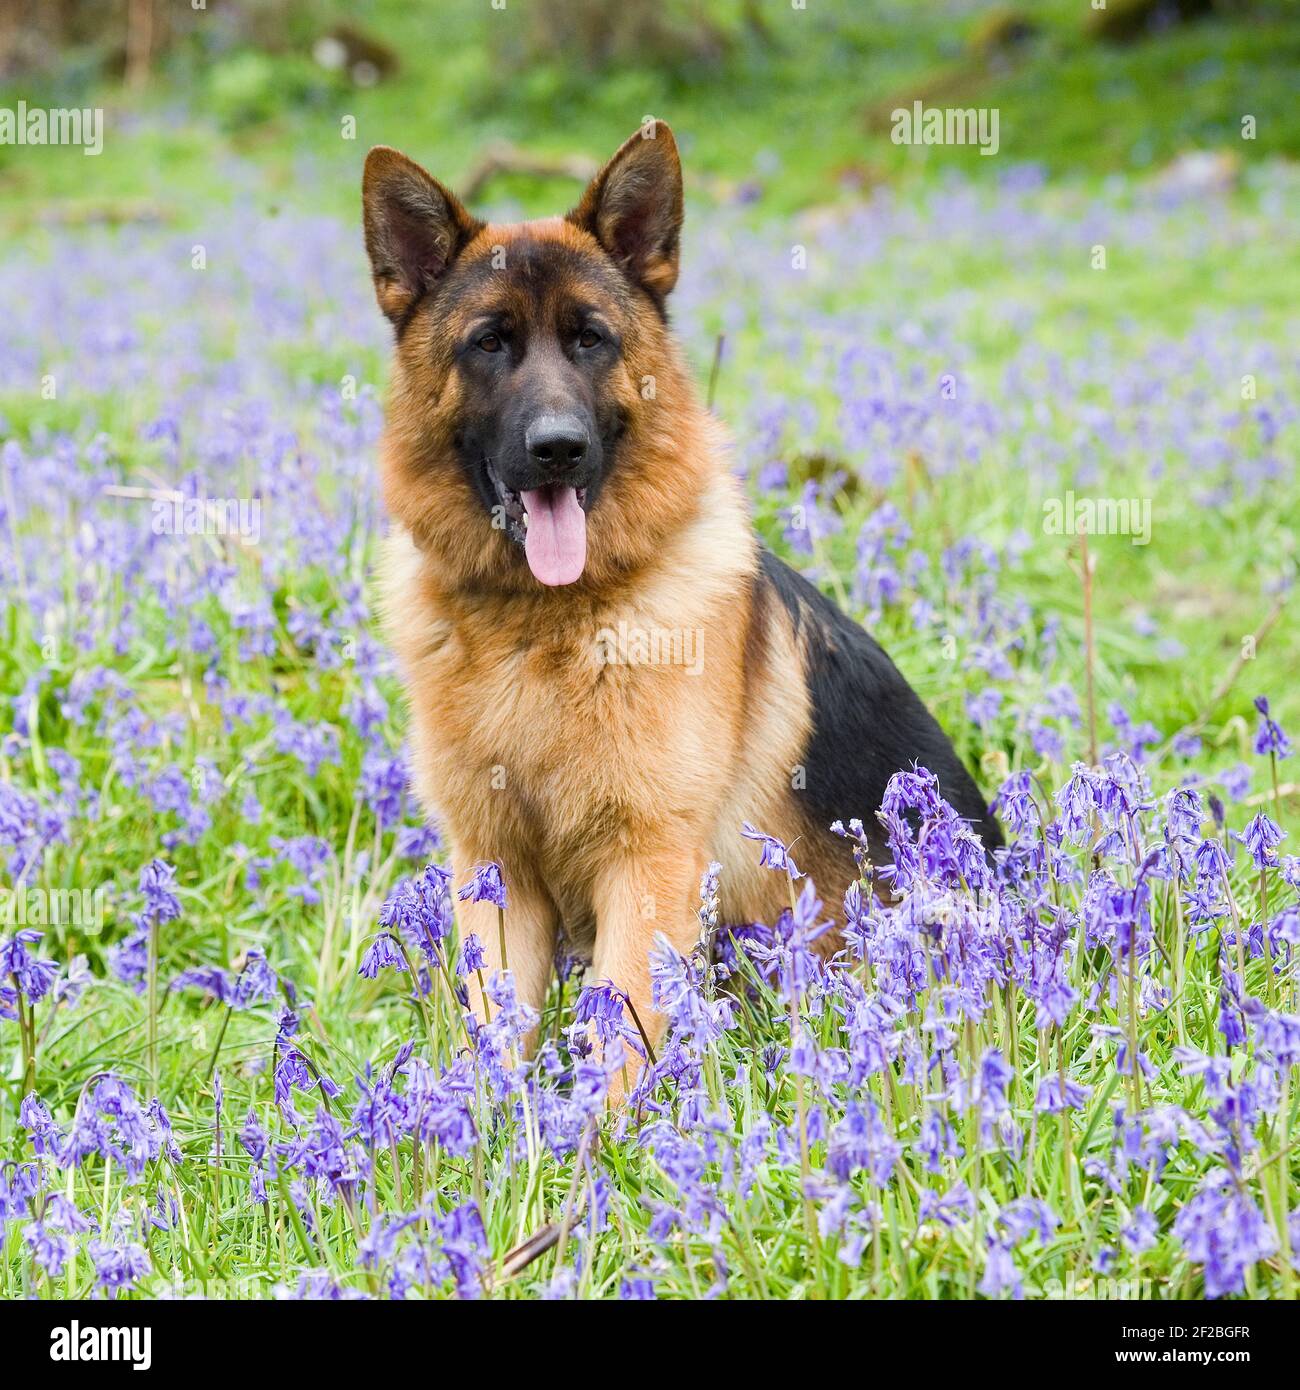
(550, 522)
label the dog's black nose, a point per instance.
(558, 441)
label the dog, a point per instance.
(564, 527)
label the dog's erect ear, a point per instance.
(415, 229)
(633, 207)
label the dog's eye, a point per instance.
(588, 338)
(490, 342)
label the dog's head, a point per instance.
(523, 351)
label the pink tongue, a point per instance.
(556, 540)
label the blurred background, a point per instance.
(784, 103)
(942, 354)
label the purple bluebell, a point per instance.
(1269, 738)
(774, 854)
(486, 886)
(381, 954)
(471, 957)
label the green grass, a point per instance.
(1204, 578)
(1220, 277)
(789, 116)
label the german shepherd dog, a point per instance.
(562, 512)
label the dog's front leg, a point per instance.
(636, 897)
(530, 923)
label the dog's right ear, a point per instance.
(415, 229)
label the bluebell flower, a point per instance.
(1269, 738)
(774, 854)
(160, 903)
(118, 1267)
(1261, 838)
(381, 954)
(1222, 1229)
(471, 957)
(49, 1248)
(35, 977)
(486, 886)
(1000, 1272)
(420, 908)
(950, 1208)
(709, 899)
(1141, 1232)
(253, 1137)
(1025, 1216)
(601, 1008)
(982, 709)
(1059, 1093)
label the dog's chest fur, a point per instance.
(564, 733)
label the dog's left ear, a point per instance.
(633, 207)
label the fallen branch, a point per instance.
(717, 363)
(549, 1236)
(1286, 789)
(504, 158)
(92, 212)
(537, 1244)
(141, 494)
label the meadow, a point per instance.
(240, 1066)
